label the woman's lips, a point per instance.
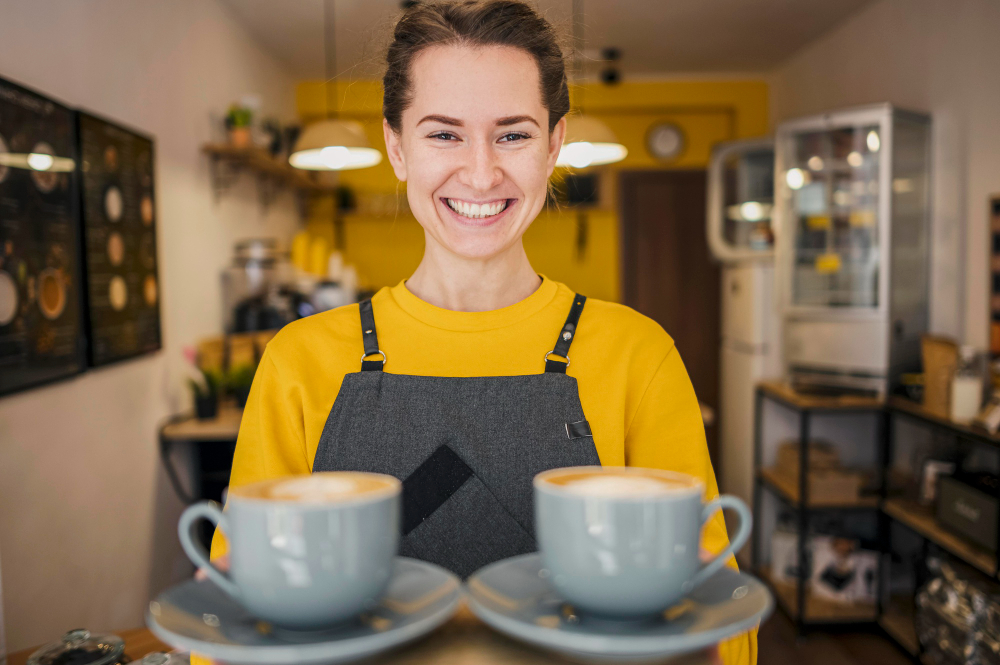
(478, 208)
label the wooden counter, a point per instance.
(224, 427)
(784, 393)
(464, 640)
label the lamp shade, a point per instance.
(589, 142)
(334, 145)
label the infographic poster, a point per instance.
(41, 330)
(119, 223)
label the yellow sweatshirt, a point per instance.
(634, 389)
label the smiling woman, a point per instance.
(458, 380)
(476, 159)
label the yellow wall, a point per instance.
(387, 247)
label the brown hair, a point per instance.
(473, 23)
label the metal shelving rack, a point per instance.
(893, 614)
(896, 619)
(805, 610)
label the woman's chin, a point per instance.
(477, 242)
(477, 249)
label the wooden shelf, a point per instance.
(223, 427)
(818, 610)
(916, 410)
(921, 520)
(784, 393)
(262, 163)
(788, 488)
(897, 620)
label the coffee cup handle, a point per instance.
(738, 541)
(195, 551)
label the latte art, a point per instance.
(327, 487)
(619, 482)
(313, 488)
(622, 487)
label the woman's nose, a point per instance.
(482, 172)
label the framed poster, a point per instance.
(41, 330)
(119, 231)
(995, 276)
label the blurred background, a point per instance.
(804, 193)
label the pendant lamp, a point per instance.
(333, 144)
(588, 141)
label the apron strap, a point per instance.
(566, 336)
(370, 338)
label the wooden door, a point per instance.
(669, 275)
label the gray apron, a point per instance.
(466, 448)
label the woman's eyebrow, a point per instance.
(443, 119)
(501, 122)
(514, 119)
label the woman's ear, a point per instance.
(393, 149)
(556, 137)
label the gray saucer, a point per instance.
(514, 597)
(200, 617)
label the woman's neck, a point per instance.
(462, 285)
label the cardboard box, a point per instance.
(940, 357)
(822, 456)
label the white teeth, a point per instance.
(477, 210)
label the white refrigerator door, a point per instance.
(740, 373)
(748, 314)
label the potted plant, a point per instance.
(206, 393)
(238, 120)
(239, 380)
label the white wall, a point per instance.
(939, 57)
(87, 522)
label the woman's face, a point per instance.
(474, 149)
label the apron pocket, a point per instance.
(468, 531)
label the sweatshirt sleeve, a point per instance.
(667, 432)
(271, 440)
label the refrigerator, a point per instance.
(853, 212)
(740, 203)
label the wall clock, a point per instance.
(665, 141)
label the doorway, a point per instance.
(669, 275)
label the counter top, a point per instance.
(226, 425)
(464, 640)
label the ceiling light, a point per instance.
(854, 159)
(589, 142)
(815, 163)
(334, 145)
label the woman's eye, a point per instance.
(445, 136)
(510, 137)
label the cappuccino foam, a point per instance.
(331, 486)
(621, 484)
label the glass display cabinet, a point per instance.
(741, 200)
(852, 254)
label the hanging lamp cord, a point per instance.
(578, 51)
(330, 57)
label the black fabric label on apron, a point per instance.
(578, 430)
(431, 484)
